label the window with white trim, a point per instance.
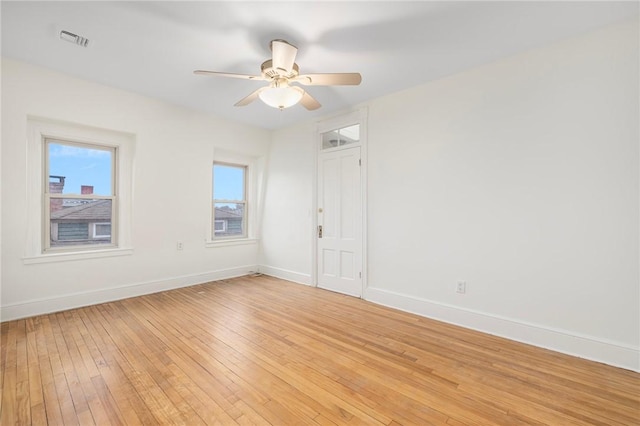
(79, 192)
(229, 201)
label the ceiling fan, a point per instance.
(280, 71)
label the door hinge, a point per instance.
(360, 274)
(360, 162)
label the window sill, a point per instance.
(76, 255)
(231, 242)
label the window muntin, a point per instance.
(229, 201)
(80, 200)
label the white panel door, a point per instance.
(339, 233)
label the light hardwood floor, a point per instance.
(258, 350)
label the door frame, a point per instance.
(356, 117)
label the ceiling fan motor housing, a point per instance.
(269, 71)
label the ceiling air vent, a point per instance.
(74, 38)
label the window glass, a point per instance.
(229, 219)
(80, 170)
(229, 210)
(80, 197)
(228, 182)
(340, 137)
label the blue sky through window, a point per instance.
(228, 182)
(81, 166)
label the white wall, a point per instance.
(520, 177)
(171, 202)
(286, 220)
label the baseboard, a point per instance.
(588, 347)
(285, 274)
(69, 301)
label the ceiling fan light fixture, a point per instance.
(281, 96)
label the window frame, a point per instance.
(244, 202)
(254, 188)
(39, 129)
(48, 196)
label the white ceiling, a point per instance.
(153, 47)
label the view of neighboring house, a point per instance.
(88, 223)
(76, 221)
(228, 221)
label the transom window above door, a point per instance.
(340, 137)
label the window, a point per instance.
(79, 192)
(219, 226)
(339, 137)
(101, 230)
(79, 195)
(229, 201)
(236, 181)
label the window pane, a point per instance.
(350, 134)
(228, 219)
(228, 182)
(340, 137)
(77, 221)
(330, 139)
(79, 170)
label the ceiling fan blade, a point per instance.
(228, 74)
(283, 56)
(336, 79)
(309, 102)
(252, 97)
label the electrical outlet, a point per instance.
(179, 245)
(461, 287)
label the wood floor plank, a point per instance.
(74, 378)
(259, 350)
(49, 396)
(8, 411)
(33, 369)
